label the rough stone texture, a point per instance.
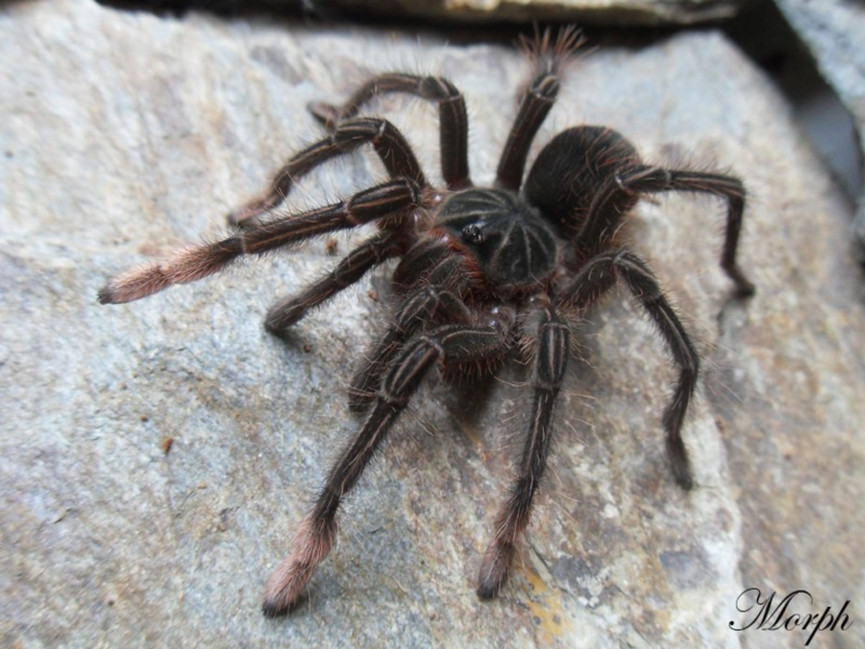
(833, 31)
(608, 12)
(113, 148)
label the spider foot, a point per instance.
(680, 464)
(282, 315)
(494, 569)
(134, 284)
(274, 607)
(182, 266)
(285, 587)
(327, 114)
(247, 215)
(744, 286)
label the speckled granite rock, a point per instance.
(115, 149)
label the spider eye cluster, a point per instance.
(511, 240)
(472, 234)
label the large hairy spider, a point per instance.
(481, 271)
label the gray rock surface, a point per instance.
(114, 148)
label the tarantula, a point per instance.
(481, 271)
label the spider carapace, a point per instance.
(480, 272)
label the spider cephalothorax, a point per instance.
(480, 271)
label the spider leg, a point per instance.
(396, 197)
(451, 344)
(437, 299)
(288, 311)
(537, 101)
(644, 179)
(599, 275)
(549, 368)
(535, 105)
(388, 142)
(454, 125)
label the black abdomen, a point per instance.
(570, 172)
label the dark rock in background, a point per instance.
(606, 12)
(833, 31)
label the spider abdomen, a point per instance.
(571, 171)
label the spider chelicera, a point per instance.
(481, 271)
